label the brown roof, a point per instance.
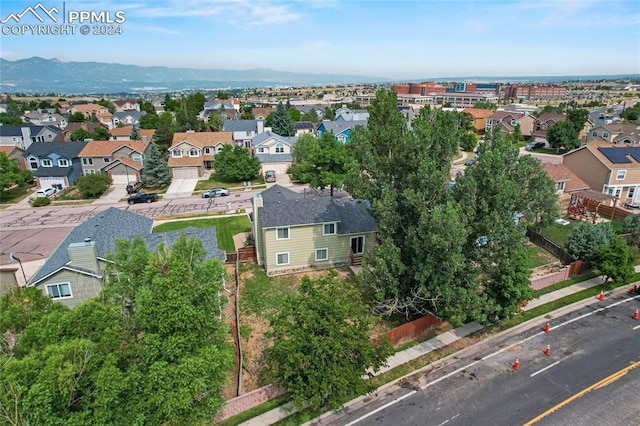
(126, 131)
(478, 112)
(560, 173)
(202, 139)
(88, 107)
(184, 161)
(106, 148)
(122, 102)
(129, 162)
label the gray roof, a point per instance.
(111, 224)
(338, 127)
(275, 158)
(268, 134)
(68, 150)
(51, 171)
(284, 207)
(240, 125)
(134, 114)
(17, 130)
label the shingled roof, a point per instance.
(284, 207)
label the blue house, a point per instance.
(341, 129)
(55, 164)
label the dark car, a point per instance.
(134, 187)
(632, 205)
(142, 197)
(534, 145)
(471, 162)
(215, 192)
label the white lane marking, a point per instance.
(448, 420)
(636, 327)
(546, 368)
(390, 403)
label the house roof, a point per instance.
(284, 207)
(551, 116)
(68, 150)
(123, 114)
(478, 112)
(275, 158)
(35, 130)
(124, 101)
(106, 148)
(338, 127)
(263, 137)
(88, 107)
(560, 173)
(52, 171)
(605, 152)
(240, 125)
(126, 161)
(302, 125)
(126, 132)
(202, 139)
(88, 126)
(501, 115)
(111, 224)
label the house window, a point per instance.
(193, 152)
(605, 135)
(87, 161)
(176, 153)
(136, 157)
(106, 160)
(341, 138)
(621, 174)
(282, 258)
(46, 162)
(560, 186)
(89, 172)
(33, 163)
(322, 254)
(63, 162)
(207, 150)
(279, 148)
(329, 229)
(261, 150)
(282, 233)
(50, 136)
(247, 144)
(632, 191)
(59, 291)
(544, 126)
(594, 133)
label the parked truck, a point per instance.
(142, 197)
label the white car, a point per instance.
(45, 192)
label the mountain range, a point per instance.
(40, 75)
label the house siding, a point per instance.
(588, 168)
(83, 287)
(302, 244)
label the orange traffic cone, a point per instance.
(516, 365)
(636, 315)
(547, 328)
(601, 297)
(547, 351)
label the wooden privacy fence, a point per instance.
(548, 245)
(411, 330)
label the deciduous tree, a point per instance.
(586, 239)
(322, 350)
(616, 261)
(236, 164)
(92, 186)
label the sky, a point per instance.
(417, 39)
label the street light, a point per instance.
(12, 255)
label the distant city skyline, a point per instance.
(385, 39)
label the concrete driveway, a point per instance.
(113, 194)
(181, 188)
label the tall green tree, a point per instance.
(236, 164)
(156, 172)
(322, 350)
(216, 121)
(163, 135)
(281, 122)
(149, 120)
(101, 134)
(631, 225)
(80, 134)
(324, 164)
(76, 117)
(586, 239)
(563, 134)
(11, 174)
(616, 261)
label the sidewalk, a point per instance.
(437, 342)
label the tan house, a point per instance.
(126, 105)
(89, 109)
(15, 153)
(295, 232)
(122, 160)
(479, 118)
(610, 169)
(191, 153)
(506, 122)
(566, 181)
(616, 133)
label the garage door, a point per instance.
(280, 168)
(122, 179)
(185, 173)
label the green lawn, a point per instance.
(538, 256)
(559, 233)
(262, 296)
(215, 182)
(226, 228)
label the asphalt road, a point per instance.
(480, 386)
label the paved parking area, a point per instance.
(181, 187)
(113, 194)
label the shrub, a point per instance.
(41, 201)
(92, 186)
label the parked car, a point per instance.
(215, 192)
(141, 197)
(632, 205)
(534, 145)
(270, 176)
(134, 187)
(45, 192)
(471, 161)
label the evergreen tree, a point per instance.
(135, 134)
(282, 123)
(156, 172)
